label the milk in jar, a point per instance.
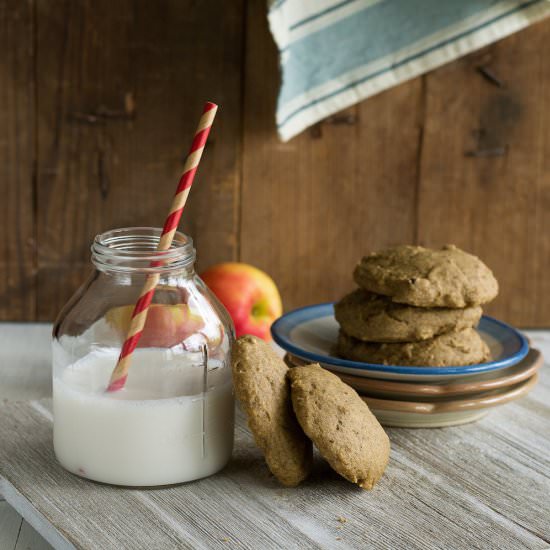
(173, 420)
(145, 434)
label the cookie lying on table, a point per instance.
(340, 424)
(281, 404)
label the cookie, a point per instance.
(259, 378)
(463, 347)
(423, 277)
(340, 424)
(375, 318)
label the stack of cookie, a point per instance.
(416, 306)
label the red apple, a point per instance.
(249, 295)
(165, 326)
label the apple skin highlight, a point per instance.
(249, 295)
(165, 326)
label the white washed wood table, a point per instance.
(482, 485)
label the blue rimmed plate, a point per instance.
(311, 333)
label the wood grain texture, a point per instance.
(29, 539)
(25, 370)
(99, 100)
(483, 485)
(10, 525)
(485, 173)
(120, 89)
(35, 518)
(16, 533)
(307, 206)
(433, 495)
(17, 154)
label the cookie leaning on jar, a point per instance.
(288, 409)
(411, 294)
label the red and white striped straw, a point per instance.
(120, 372)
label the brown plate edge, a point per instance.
(532, 363)
(480, 402)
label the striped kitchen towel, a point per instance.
(334, 53)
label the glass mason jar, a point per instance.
(173, 419)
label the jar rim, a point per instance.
(134, 249)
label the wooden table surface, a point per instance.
(482, 485)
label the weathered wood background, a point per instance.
(98, 100)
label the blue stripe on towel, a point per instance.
(276, 5)
(321, 13)
(357, 40)
(321, 78)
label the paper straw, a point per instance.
(139, 315)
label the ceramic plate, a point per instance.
(310, 333)
(393, 419)
(442, 412)
(393, 389)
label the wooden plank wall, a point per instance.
(98, 100)
(17, 162)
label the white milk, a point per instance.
(160, 429)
